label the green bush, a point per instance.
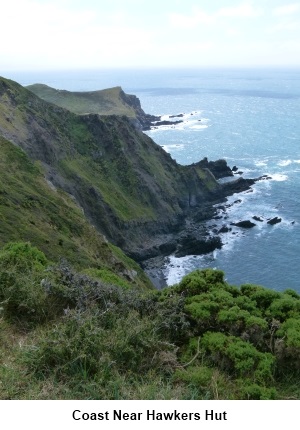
(22, 257)
(23, 297)
(239, 357)
(200, 281)
(250, 391)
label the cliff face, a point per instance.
(129, 188)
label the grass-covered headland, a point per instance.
(67, 334)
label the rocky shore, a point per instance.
(194, 237)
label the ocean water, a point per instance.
(249, 117)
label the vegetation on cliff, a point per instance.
(65, 335)
(110, 101)
(33, 211)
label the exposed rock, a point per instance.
(165, 122)
(257, 218)
(274, 220)
(218, 168)
(224, 229)
(264, 178)
(235, 169)
(180, 115)
(244, 224)
(191, 246)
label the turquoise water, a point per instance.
(249, 117)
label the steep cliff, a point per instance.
(129, 188)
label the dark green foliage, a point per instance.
(201, 340)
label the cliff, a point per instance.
(129, 188)
(111, 101)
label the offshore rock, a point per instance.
(274, 221)
(244, 224)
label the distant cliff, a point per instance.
(111, 101)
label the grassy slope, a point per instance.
(31, 211)
(103, 102)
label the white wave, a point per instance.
(177, 268)
(260, 163)
(169, 148)
(278, 177)
(198, 127)
(285, 162)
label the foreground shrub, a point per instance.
(23, 297)
(90, 343)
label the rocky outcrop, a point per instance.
(190, 245)
(218, 168)
(142, 121)
(244, 224)
(274, 221)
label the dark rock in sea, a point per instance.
(244, 224)
(190, 245)
(224, 229)
(274, 220)
(239, 172)
(238, 185)
(235, 169)
(257, 218)
(264, 178)
(165, 122)
(180, 115)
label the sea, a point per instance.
(249, 117)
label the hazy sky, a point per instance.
(68, 34)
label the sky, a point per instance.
(96, 34)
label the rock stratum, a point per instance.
(125, 185)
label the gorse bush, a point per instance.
(201, 339)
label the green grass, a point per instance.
(103, 102)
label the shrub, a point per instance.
(23, 297)
(238, 357)
(200, 281)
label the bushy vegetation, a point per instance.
(66, 334)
